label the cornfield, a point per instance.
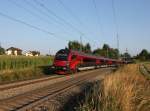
(21, 62)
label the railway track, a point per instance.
(32, 99)
(144, 70)
(14, 89)
(27, 82)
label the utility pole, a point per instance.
(81, 43)
(126, 54)
(49, 52)
(118, 45)
(107, 53)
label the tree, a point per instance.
(87, 48)
(2, 51)
(74, 45)
(126, 55)
(98, 52)
(144, 55)
(35, 53)
(106, 51)
(106, 47)
(113, 53)
(149, 56)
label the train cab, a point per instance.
(61, 61)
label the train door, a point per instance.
(73, 62)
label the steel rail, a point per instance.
(27, 82)
(144, 71)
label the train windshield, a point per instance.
(62, 55)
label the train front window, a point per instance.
(63, 57)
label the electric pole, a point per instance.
(118, 45)
(81, 43)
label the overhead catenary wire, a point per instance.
(31, 26)
(61, 19)
(70, 12)
(31, 12)
(116, 25)
(115, 17)
(58, 17)
(98, 17)
(77, 19)
(53, 14)
(42, 12)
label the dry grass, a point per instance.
(125, 90)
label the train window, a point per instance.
(89, 60)
(73, 57)
(61, 57)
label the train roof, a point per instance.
(86, 55)
(92, 56)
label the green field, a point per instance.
(21, 62)
(14, 68)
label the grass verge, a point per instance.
(124, 90)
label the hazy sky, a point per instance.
(73, 18)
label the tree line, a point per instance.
(144, 55)
(2, 50)
(105, 51)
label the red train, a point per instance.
(68, 61)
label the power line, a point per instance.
(116, 25)
(61, 19)
(76, 18)
(41, 12)
(30, 12)
(58, 17)
(98, 17)
(115, 17)
(35, 14)
(29, 25)
(52, 13)
(70, 12)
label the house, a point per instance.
(13, 51)
(33, 53)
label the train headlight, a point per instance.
(53, 67)
(64, 68)
(67, 64)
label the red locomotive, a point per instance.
(67, 61)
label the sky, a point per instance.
(48, 25)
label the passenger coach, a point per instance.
(68, 61)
